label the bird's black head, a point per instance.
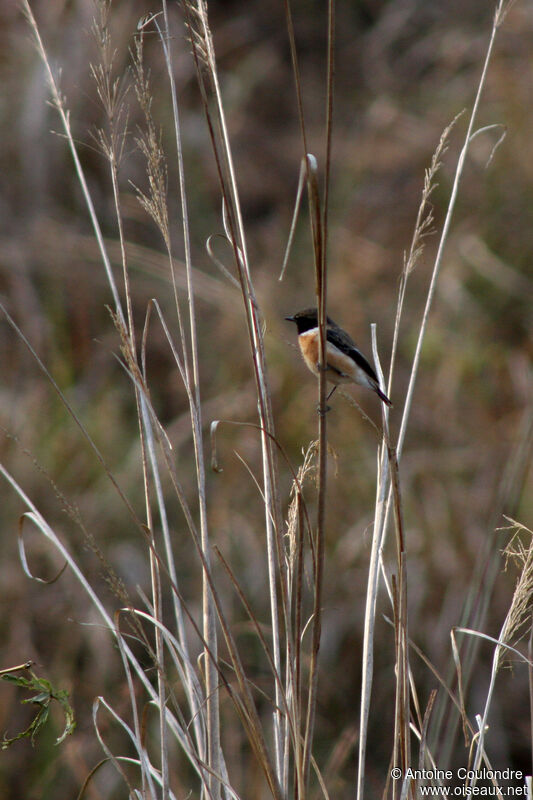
(307, 319)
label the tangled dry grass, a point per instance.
(113, 455)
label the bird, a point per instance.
(344, 362)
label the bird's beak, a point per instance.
(289, 319)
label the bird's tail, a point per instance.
(382, 395)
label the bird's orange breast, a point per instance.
(308, 342)
(340, 367)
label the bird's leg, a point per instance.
(331, 393)
(326, 408)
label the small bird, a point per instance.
(344, 362)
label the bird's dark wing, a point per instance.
(340, 339)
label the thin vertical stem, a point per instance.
(382, 509)
(206, 66)
(320, 252)
(210, 631)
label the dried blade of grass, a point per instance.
(297, 477)
(148, 140)
(122, 760)
(25, 564)
(398, 742)
(112, 93)
(320, 779)
(318, 575)
(501, 644)
(297, 204)
(184, 667)
(402, 657)
(489, 564)
(73, 415)
(309, 168)
(110, 97)
(192, 380)
(459, 671)
(246, 708)
(422, 750)
(298, 632)
(321, 262)
(40, 523)
(296, 73)
(441, 680)
(407, 784)
(180, 655)
(60, 245)
(161, 436)
(174, 350)
(341, 751)
(518, 613)
(423, 228)
(149, 773)
(382, 515)
(498, 142)
(382, 488)
(87, 780)
(143, 757)
(107, 89)
(243, 701)
(298, 527)
(59, 104)
(166, 450)
(188, 680)
(217, 262)
(298, 504)
(370, 619)
(203, 53)
(293, 716)
(498, 17)
(329, 131)
(259, 632)
(156, 205)
(414, 699)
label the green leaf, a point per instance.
(45, 694)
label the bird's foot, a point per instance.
(322, 410)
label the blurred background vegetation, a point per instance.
(404, 70)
